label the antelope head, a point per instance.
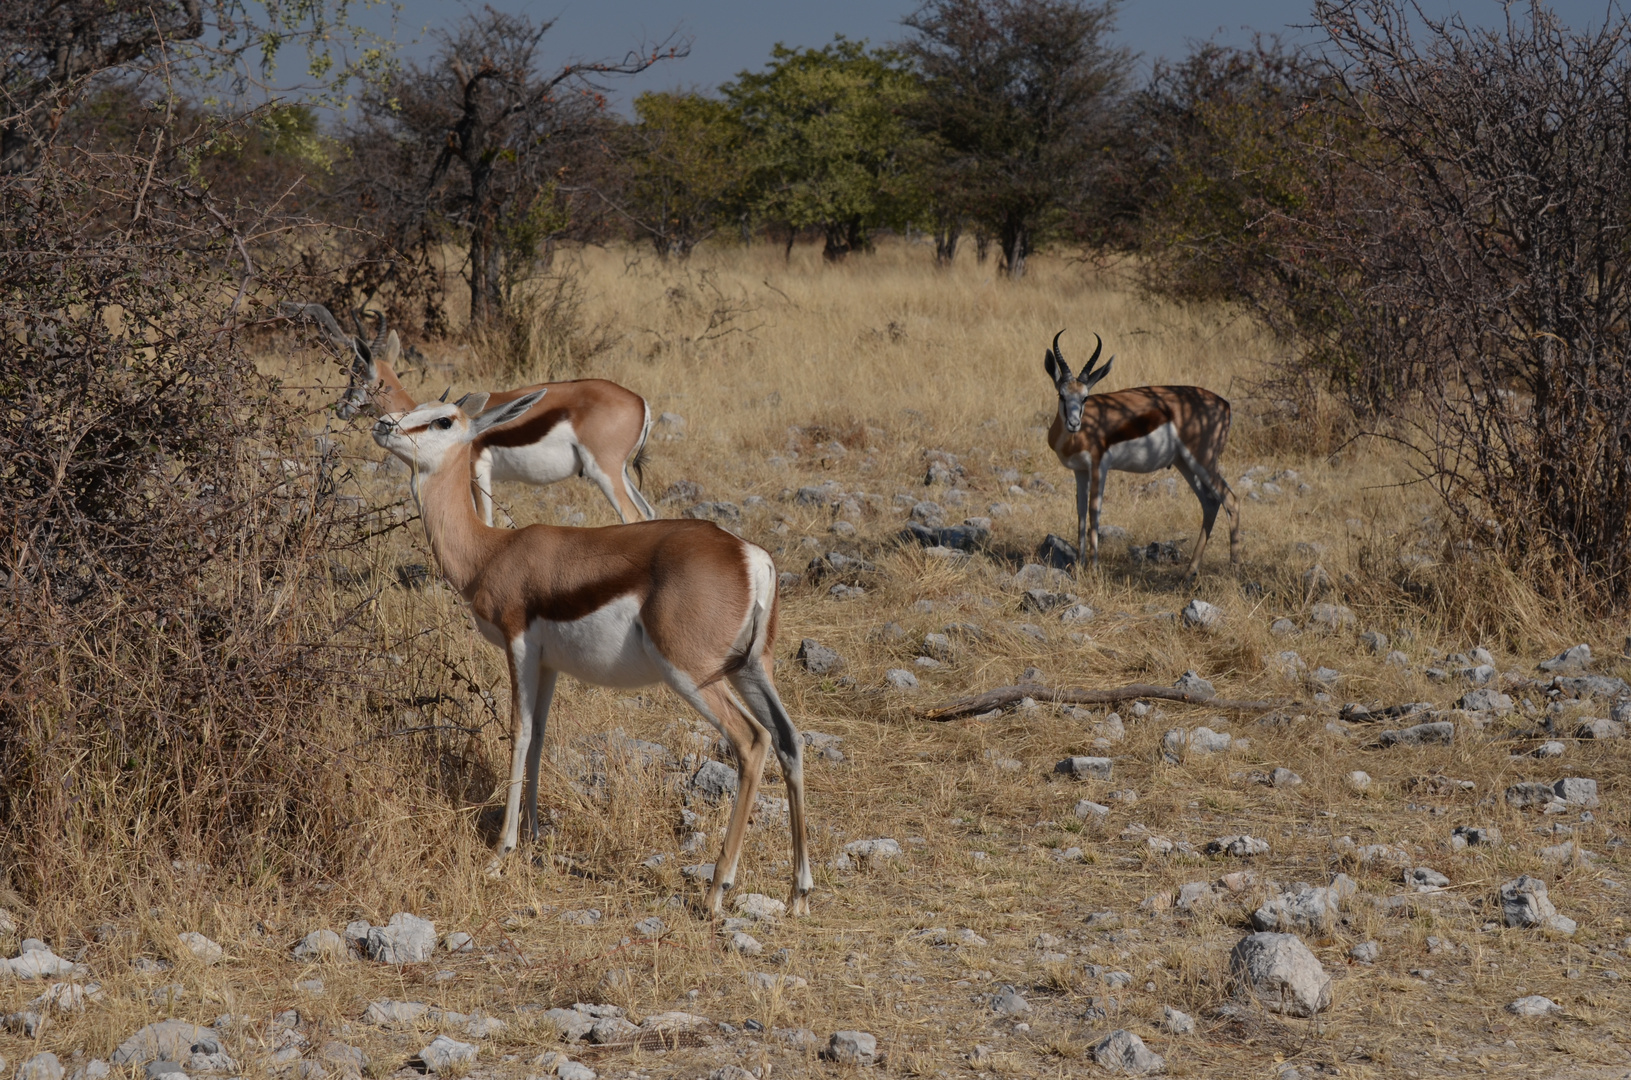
(425, 437)
(383, 351)
(1073, 389)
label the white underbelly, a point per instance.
(551, 459)
(604, 648)
(1157, 450)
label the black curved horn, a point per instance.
(445, 393)
(1095, 357)
(379, 338)
(1057, 355)
(356, 320)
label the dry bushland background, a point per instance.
(858, 369)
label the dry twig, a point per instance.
(1008, 695)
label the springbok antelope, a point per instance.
(1140, 430)
(590, 428)
(675, 601)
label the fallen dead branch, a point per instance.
(1008, 695)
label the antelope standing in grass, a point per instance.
(589, 427)
(676, 601)
(1140, 430)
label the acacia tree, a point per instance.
(50, 52)
(682, 169)
(1021, 93)
(827, 144)
(486, 146)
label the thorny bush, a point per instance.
(178, 679)
(1432, 216)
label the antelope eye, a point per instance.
(443, 424)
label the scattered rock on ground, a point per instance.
(1191, 683)
(1306, 909)
(1123, 1052)
(817, 658)
(1439, 732)
(759, 906)
(1425, 879)
(1331, 617)
(406, 939)
(1463, 836)
(43, 1066)
(900, 679)
(201, 946)
(1570, 661)
(321, 945)
(1279, 971)
(1485, 699)
(1056, 552)
(1525, 903)
(852, 1048)
(39, 962)
(1366, 952)
(1085, 768)
(1534, 1005)
(170, 1040)
(1176, 1022)
(1592, 727)
(1009, 1002)
(1571, 791)
(1200, 614)
(389, 1013)
(1239, 847)
(713, 780)
(445, 1054)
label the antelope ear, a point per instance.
(1057, 371)
(507, 412)
(473, 404)
(1091, 380)
(393, 349)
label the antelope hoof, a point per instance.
(798, 903)
(495, 869)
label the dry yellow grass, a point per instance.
(890, 359)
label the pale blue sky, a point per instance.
(732, 35)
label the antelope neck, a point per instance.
(461, 541)
(397, 399)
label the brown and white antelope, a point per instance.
(672, 601)
(1140, 430)
(589, 427)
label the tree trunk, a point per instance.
(486, 298)
(837, 245)
(855, 235)
(982, 246)
(945, 242)
(486, 288)
(1016, 245)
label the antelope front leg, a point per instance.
(525, 677)
(1084, 481)
(540, 718)
(1095, 503)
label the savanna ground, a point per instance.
(791, 375)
